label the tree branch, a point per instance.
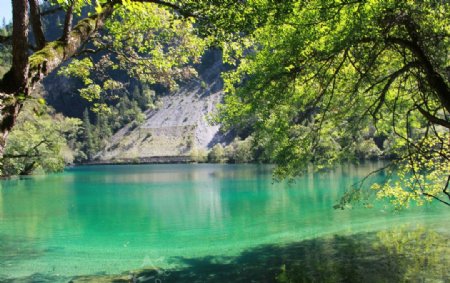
(436, 198)
(36, 24)
(392, 77)
(28, 154)
(25, 155)
(68, 22)
(432, 118)
(445, 190)
(435, 80)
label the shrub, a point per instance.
(217, 154)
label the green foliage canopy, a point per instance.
(327, 70)
(39, 142)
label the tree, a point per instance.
(311, 78)
(152, 39)
(39, 141)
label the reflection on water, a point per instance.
(110, 219)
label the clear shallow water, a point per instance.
(111, 219)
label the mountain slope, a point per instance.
(179, 126)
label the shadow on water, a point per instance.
(12, 248)
(388, 256)
(398, 255)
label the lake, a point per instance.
(212, 223)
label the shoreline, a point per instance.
(141, 160)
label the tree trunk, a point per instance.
(68, 22)
(14, 86)
(36, 24)
(19, 68)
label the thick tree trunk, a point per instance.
(14, 86)
(19, 69)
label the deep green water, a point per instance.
(213, 223)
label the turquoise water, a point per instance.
(112, 219)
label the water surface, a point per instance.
(112, 219)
